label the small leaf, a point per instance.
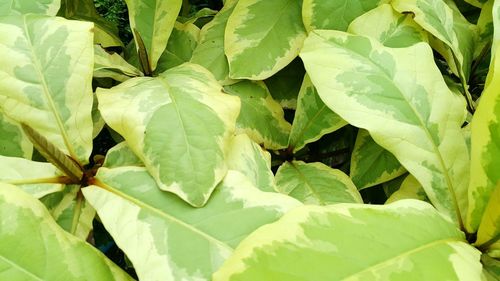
(409, 189)
(121, 155)
(112, 66)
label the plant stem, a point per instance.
(186, 8)
(77, 210)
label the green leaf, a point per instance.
(400, 97)
(14, 141)
(485, 146)
(488, 233)
(28, 230)
(248, 158)
(313, 119)
(371, 164)
(121, 155)
(35, 178)
(262, 37)
(334, 14)
(285, 85)
(180, 47)
(316, 183)
(179, 124)
(447, 25)
(491, 268)
(406, 240)
(210, 51)
(410, 189)
(154, 21)
(45, 79)
(261, 117)
(170, 240)
(389, 27)
(112, 66)
(44, 7)
(477, 3)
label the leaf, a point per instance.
(313, 119)
(316, 183)
(477, 3)
(409, 189)
(447, 25)
(14, 142)
(389, 27)
(45, 74)
(121, 155)
(334, 14)
(170, 240)
(491, 268)
(355, 242)
(261, 117)
(153, 20)
(35, 178)
(180, 47)
(210, 51)
(28, 230)
(400, 97)
(248, 158)
(488, 233)
(179, 124)
(44, 7)
(112, 66)
(262, 37)
(485, 146)
(371, 164)
(285, 84)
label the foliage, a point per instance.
(245, 141)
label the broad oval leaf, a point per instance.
(28, 230)
(371, 164)
(45, 74)
(178, 124)
(410, 189)
(262, 37)
(316, 183)
(355, 242)
(261, 117)
(248, 158)
(313, 119)
(485, 146)
(389, 27)
(43, 7)
(121, 155)
(400, 97)
(334, 14)
(153, 20)
(170, 240)
(14, 141)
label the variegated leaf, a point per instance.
(334, 14)
(13, 141)
(248, 158)
(285, 85)
(491, 268)
(261, 117)
(112, 66)
(258, 47)
(178, 124)
(313, 119)
(181, 44)
(496, 25)
(406, 240)
(485, 28)
(485, 146)
(400, 97)
(210, 51)
(43, 7)
(170, 240)
(449, 26)
(389, 27)
(371, 164)
(409, 189)
(316, 183)
(153, 20)
(35, 178)
(121, 155)
(488, 234)
(45, 79)
(34, 247)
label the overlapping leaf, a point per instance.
(400, 97)
(112, 66)
(262, 37)
(178, 124)
(27, 230)
(371, 164)
(406, 240)
(261, 117)
(45, 79)
(316, 183)
(285, 84)
(409, 189)
(488, 234)
(165, 238)
(313, 119)
(43, 7)
(13, 141)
